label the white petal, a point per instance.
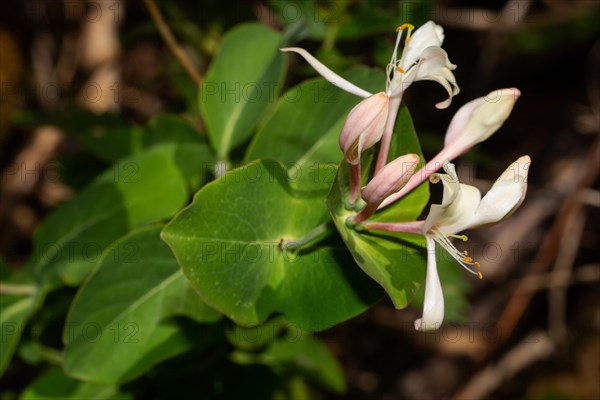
(459, 203)
(435, 66)
(429, 34)
(433, 306)
(328, 74)
(505, 196)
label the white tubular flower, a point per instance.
(463, 208)
(422, 59)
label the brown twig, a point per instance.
(535, 347)
(175, 48)
(563, 266)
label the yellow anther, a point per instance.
(400, 69)
(398, 29)
(479, 275)
(408, 39)
(477, 264)
(466, 253)
(468, 259)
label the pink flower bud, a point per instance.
(390, 179)
(364, 126)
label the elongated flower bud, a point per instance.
(479, 119)
(473, 123)
(364, 126)
(390, 179)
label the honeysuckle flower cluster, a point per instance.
(462, 207)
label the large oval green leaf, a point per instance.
(121, 321)
(306, 124)
(138, 190)
(395, 261)
(229, 244)
(243, 79)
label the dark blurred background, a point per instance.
(69, 69)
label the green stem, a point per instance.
(319, 233)
(51, 355)
(13, 289)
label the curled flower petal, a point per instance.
(433, 306)
(434, 65)
(428, 34)
(328, 74)
(364, 126)
(458, 206)
(390, 179)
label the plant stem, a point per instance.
(14, 289)
(171, 42)
(386, 139)
(355, 179)
(52, 356)
(404, 227)
(364, 214)
(319, 233)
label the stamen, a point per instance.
(408, 39)
(464, 238)
(463, 257)
(399, 69)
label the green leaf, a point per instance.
(55, 385)
(231, 240)
(138, 190)
(305, 127)
(193, 155)
(122, 320)
(242, 81)
(256, 337)
(15, 310)
(395, 261)
(307, 356)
